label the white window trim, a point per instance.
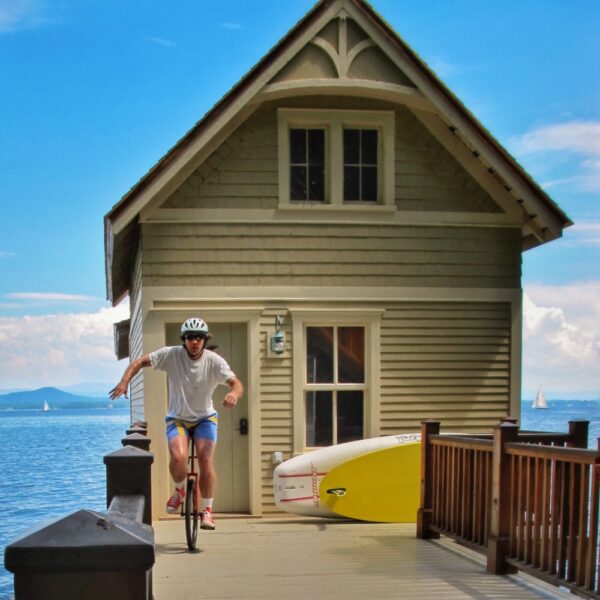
(333, 122)
(370, 319)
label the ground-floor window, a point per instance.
(335, 385)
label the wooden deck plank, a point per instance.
(317, 558)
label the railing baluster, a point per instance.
(592, 579)
(572, 532)
(545, 514)
(583, 498)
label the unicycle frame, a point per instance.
(190, 506)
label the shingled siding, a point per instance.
(243, 171)
(320, 254)
(447, 361)
(428, 177)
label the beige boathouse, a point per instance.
(342, 198)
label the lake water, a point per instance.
(51, 463)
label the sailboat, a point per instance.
(539, 401)
(46, 407)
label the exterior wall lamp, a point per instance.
(278, 338)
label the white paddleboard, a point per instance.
(297, 480)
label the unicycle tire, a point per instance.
(191, 515)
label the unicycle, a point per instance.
(189, 509)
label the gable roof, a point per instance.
(544, 220)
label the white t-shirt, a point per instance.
(191, 382)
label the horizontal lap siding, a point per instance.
(135, 341)
(446, 361)
(314, 254)
(276, 414)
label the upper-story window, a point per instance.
(307, 164)
(336, 157)
(360, 165)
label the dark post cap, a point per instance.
(137, 429)
(130, 453)
(138, 440)
(83, 541)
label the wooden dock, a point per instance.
(299, 558)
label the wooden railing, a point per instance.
(528, 500)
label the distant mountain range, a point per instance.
(54, 397)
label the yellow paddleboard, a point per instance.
(381, 486)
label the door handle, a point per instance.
(243, 427)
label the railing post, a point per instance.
(425, 511)
(498, 538)
(578, 434)
(128, 472)
(138, 440)
(138, 427)
(85, 555)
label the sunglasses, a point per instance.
(194, 337)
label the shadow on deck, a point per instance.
(321, 558)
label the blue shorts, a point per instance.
(205, 429)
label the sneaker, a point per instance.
(206, 519)
(174, 502)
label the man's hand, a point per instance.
(236, 390)
(130, 372)
(119, 390)
(230, 400)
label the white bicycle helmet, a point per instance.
(195, 326)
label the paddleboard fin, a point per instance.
(337, 491)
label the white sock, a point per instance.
(180, 485)
(206, 503)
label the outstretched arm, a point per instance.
(130, 372)
(236, 392)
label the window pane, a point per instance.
(298, 183)
(298, 146)
(316, 146)
(319, 354)
(316, 183)
(369, 147)
(351, 355)
(351, 183)
(369, 183)
(319, 419)
(351, 146)
(350, 416)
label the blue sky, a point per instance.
(94, 92)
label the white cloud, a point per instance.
(561, 338)
(585, 233)
(582, 137)
(160, 41)
(50, 297)
(579, 138)
(60, 349)
(21, 14)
